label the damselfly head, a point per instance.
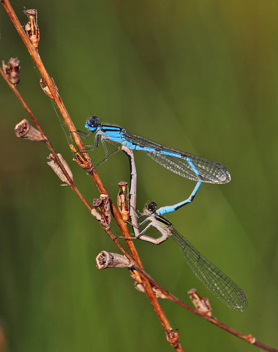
(150, 207)
(93, 123)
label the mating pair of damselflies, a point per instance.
(184, 164)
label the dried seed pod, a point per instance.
(103, 205)
(12, 70)
(24, 130)
(32, 28)
(200, 303)
(45, 88)
(58, 171)
(106, 260)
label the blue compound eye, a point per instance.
(93, 123)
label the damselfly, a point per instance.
(210, 276)
(184, 164)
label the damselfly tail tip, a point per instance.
(225, 177)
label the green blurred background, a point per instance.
(200, 76)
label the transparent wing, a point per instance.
(210, 276)
(177, 161)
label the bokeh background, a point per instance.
(200, 76)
